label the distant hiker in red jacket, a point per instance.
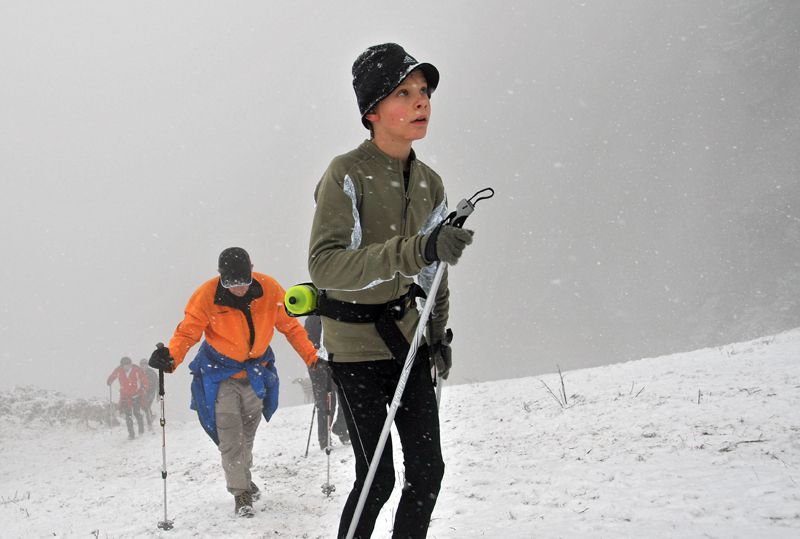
(132, 386)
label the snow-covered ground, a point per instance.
(701, 444)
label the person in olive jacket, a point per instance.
(234, 378)
(378, 226)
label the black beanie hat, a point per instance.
(125, 361)
(380, 69)
(235, 268)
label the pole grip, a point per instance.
(463, 210)
(466, 206)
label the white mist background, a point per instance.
(644, 156)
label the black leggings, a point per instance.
(365, 392)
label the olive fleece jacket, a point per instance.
(367, 244)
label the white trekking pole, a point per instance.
(327, 487)
(457, 218)
(165, 524)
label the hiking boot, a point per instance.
(244, 505)
(255, 494)
(344, 438)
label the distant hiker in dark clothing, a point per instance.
(132, 386)
(322, 383)
(379, 225)
(234, 377)
(150, 393)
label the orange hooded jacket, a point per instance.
(211, 310)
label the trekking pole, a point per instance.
(165, 524)
(327, 488)
(310, 428)
(457, 218)
(439, 379)
(110, 409)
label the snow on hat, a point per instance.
(235, 268)
(380, 69)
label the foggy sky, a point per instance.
(644, 155)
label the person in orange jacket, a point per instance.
(132, 386)
(234, 377)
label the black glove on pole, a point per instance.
(442, 355)
(161, 359)
(441, 359)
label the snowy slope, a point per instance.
(701, 444)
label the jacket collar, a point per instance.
(223, 297)
(372, 149)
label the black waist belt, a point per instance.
(383, 315)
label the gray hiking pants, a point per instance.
(238, 411)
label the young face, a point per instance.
(402, 117)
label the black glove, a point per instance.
(442, 354)
(161, 360)
(319, 373)
(446, 243)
